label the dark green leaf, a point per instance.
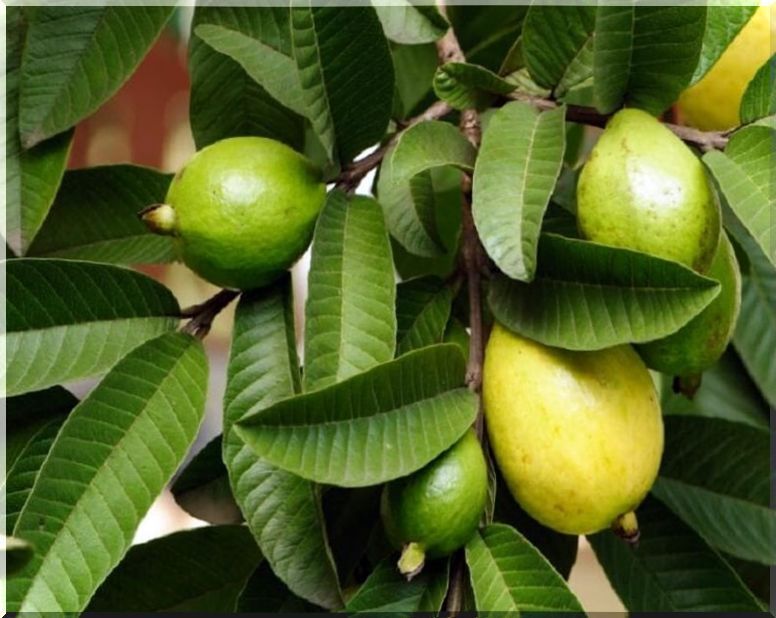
(645, 55)
(386, 590)
(723, 23)
(422, 310)
(202, 489)
(414, 66)
(16, 554)
(264, 592)
(671, 569)
(465, 86)
(371, 428)
(715, 475)
(410, 24)
(200, 570)
(68, 320)
(346, 72)
(350, 322)
(282, 510)
(24, 412)
(759, 100)
(557, 45)
(112, 457)
(508, 574)
(486, 33)
(588, 296)
(94, 217)
(75, 58)
(518, 165)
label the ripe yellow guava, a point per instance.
(241, 211)
(577, 436)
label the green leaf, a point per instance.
(759, 100)
(94, 217)
(723, 23)
(386, 590)
(75, 58)
(200, 570)
(373, 427)
(112, 457)
(588, 296)
(32, 176)
(202, 489)
(410, 24)
(508, 574)
(518, 165)
(744, 172)
(465, 86)
(557, 45)
(414, 66)
(671, 569)
(225, 100)
(645, 55)
(265, 593)
(422, 310)
(16, 554)
(282, 510)
(428, 145)
(486, 33)
(715, 475)
(350, 322)
(70, 320)
(346, 72)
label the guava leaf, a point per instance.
(282, 510)
(422, 310)
(508, 574)
(16, 554)
(350, 323)
(110, 460)
(94, 217)
(225, 100)
(202, 488)
(723, 23)
(715, 476)
(414, 66)
(557, 45)
(410, 24)
(75, 58)
(465, 86)
(428, 145)
(759, 100)
(671, 570)
(486, 33)
(744, 173)
(645, 55)
(519, 162)
(346, 73)
(373, 427)
(588, 296)
(200, 570)
(68, 320)
(265, 593)
(386, 590)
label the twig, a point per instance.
(202, 315)
(705, 140)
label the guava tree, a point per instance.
(391, 464)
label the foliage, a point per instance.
(470, 226)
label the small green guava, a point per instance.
(241, 211)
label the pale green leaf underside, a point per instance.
(465, 86)
(281, 509)
(518, 165)
(350, 323)
(588, 297)
(113, 456)
(671, 570)
(759, 100)
(508, 574)
(374, 427)
(68, 320)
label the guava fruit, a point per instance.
(713, 103)
(698, 344)
(643, 189)
(577, 436)
(241, 210)
(434, 511)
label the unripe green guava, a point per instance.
(643, 189)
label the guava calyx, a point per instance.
(412, 560)
(626, 526)
(159, 219)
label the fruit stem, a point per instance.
(159, 218)
(626, 526)
(687, 385)
(202, 315)
(412, 560)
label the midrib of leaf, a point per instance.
(573, 64)
(339, 374)
(51, 553)
(493, 563)
(88, 323)
(524, 180)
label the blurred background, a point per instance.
(147, 123)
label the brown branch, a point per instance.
(705, 140)
(202, 315)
